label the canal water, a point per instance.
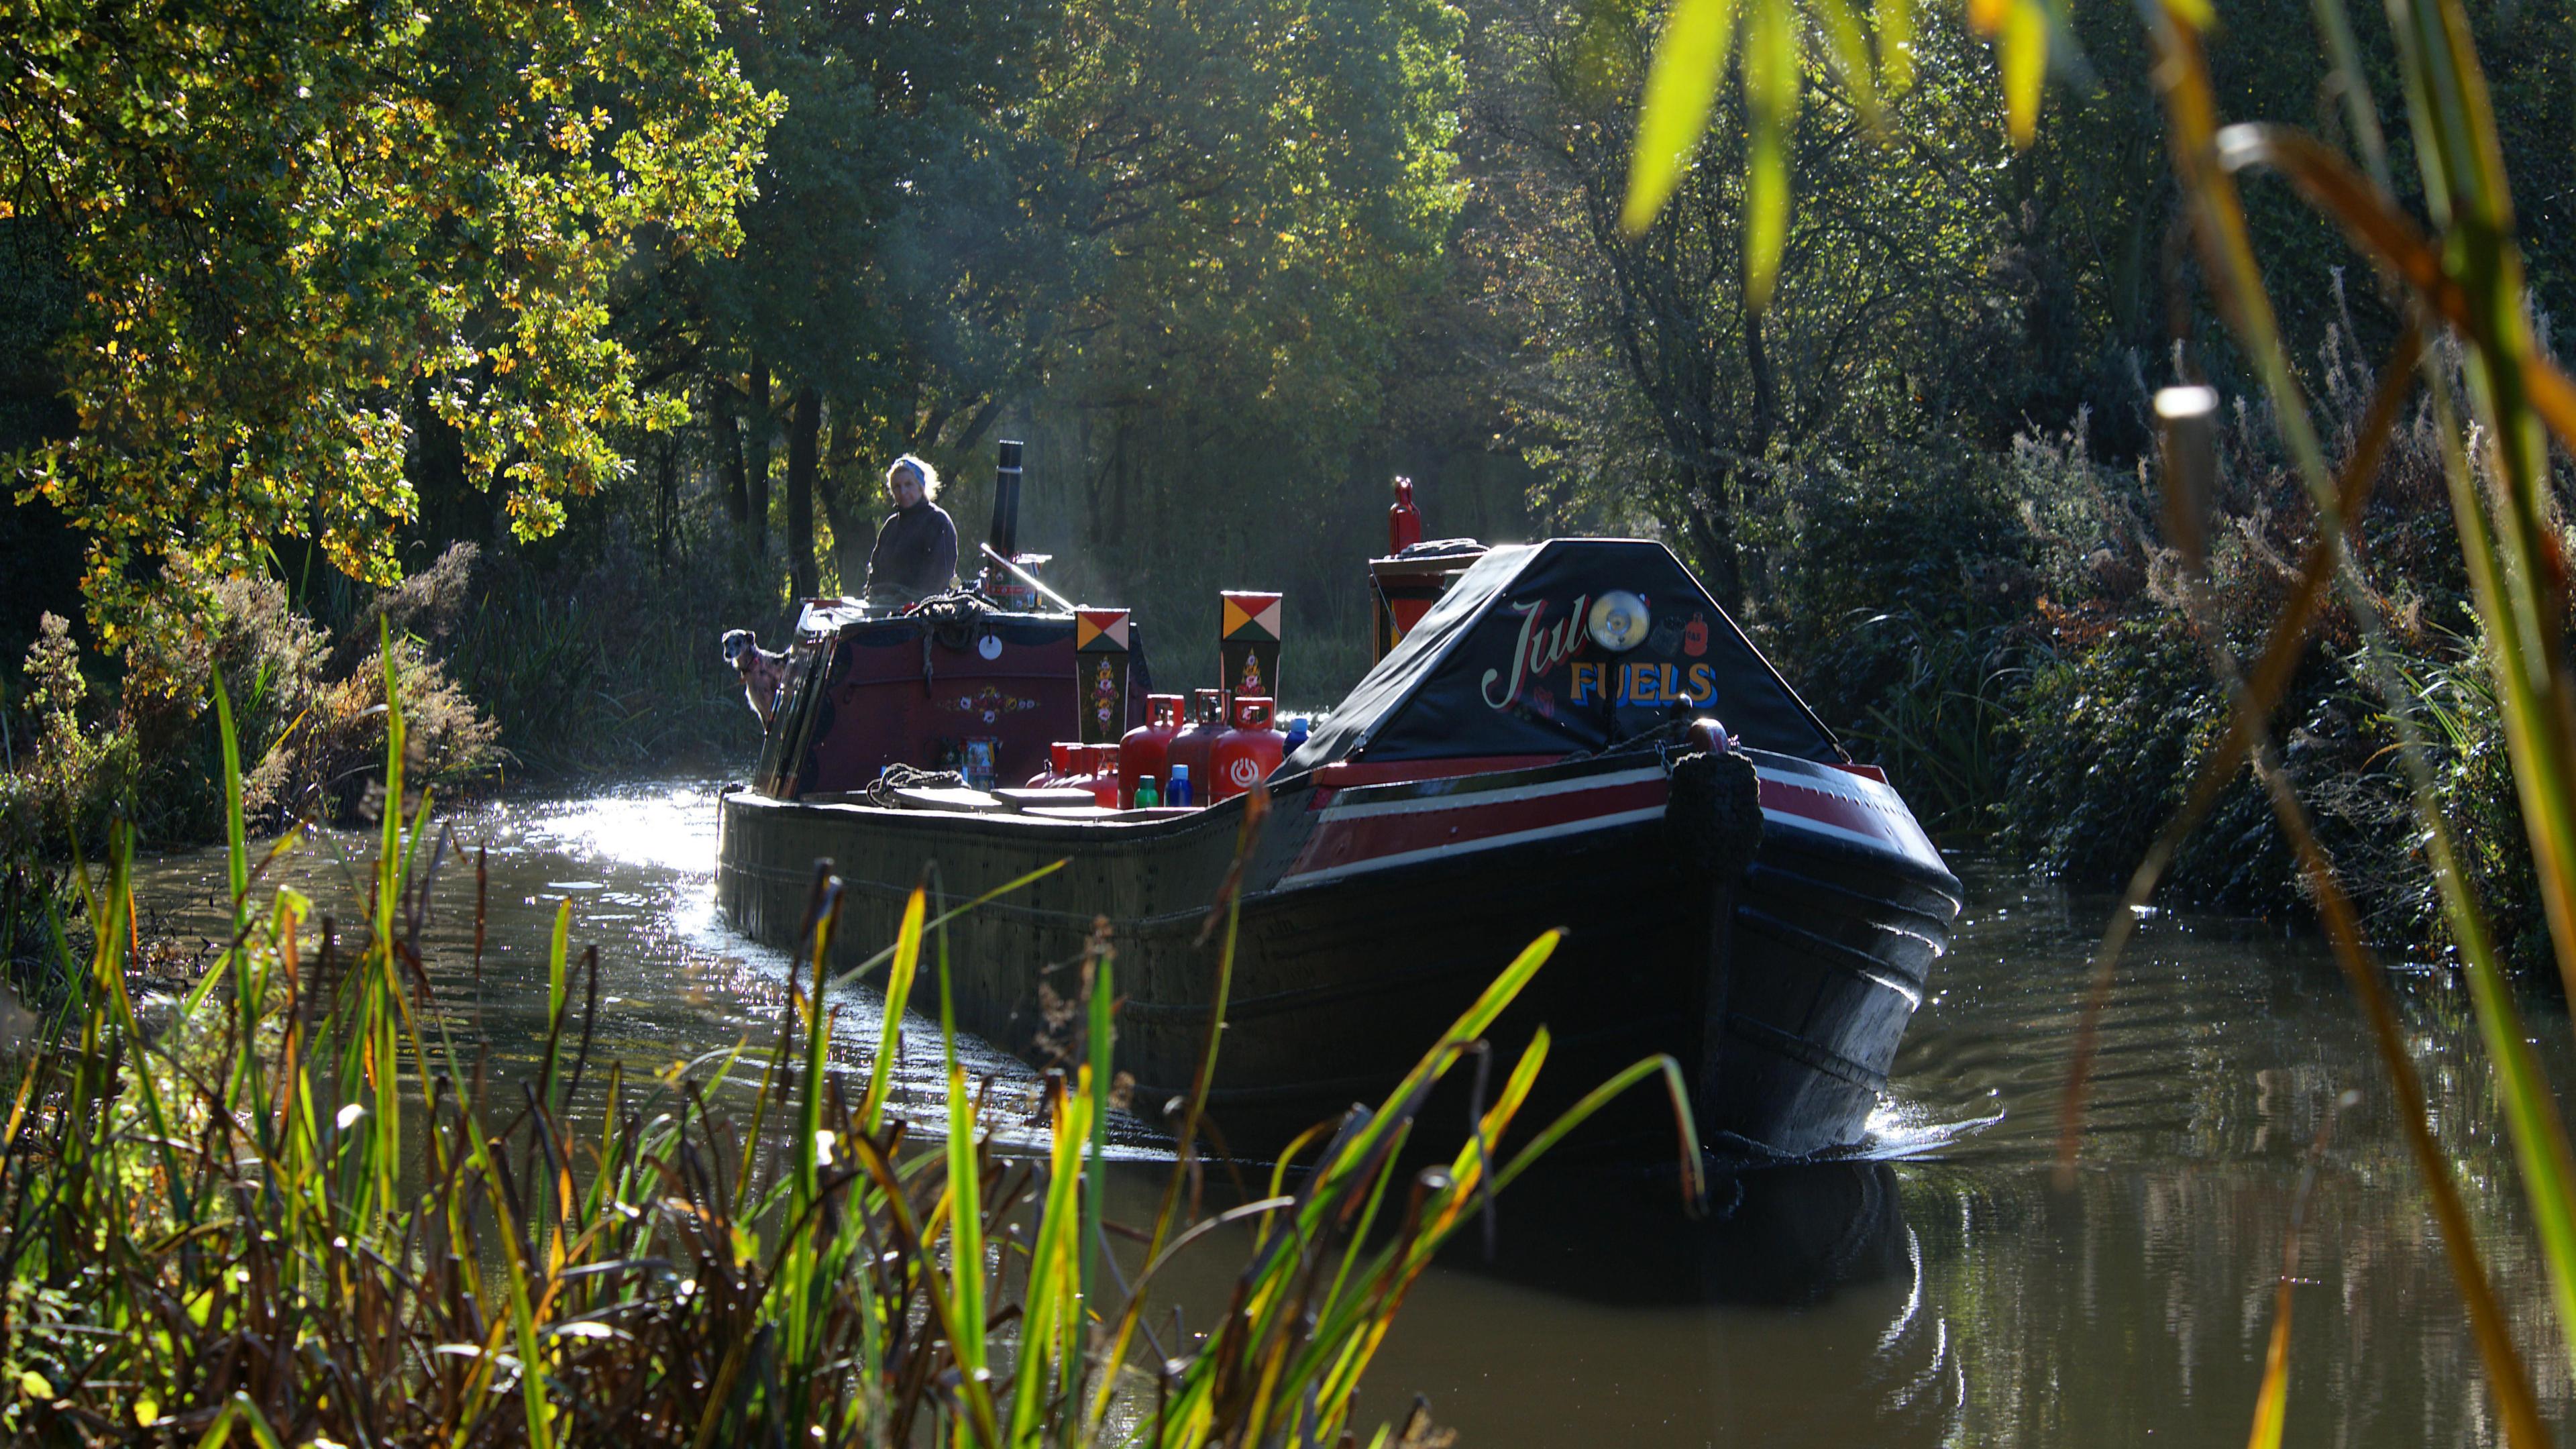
(1940, 1287)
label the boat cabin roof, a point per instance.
(1505, 665)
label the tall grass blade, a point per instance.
(1096, 1081)
(944, 917)
(906, 954)
(236, 845)
(1850, 51)
(2352, 82)
(2220, 230)
(1896, 43)
(2272, 1401)
(2474, 283)
(965, 1218)
(2023, 49)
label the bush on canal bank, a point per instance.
(603, 661)
(311, 726)
(2006, 633)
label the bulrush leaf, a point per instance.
(2206, 173)
(1690, 58)
(1771, 94)
(1850, 52)
(898, 995)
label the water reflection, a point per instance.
(1940, 1290)
(1781, 1236)
(1967, 1299)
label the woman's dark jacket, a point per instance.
(915, 556)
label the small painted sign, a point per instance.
(1250, 615)
(1554, 659)
(1100, 631)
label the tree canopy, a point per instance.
(276, 218)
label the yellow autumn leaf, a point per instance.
(2025, 58)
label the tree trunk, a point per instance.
(756, 455)
(1712, 537)
(1766, 387)
(728, 444)
(834, 489)
(802, 428)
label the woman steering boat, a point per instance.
(916, 552)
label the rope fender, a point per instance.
(1714, 812)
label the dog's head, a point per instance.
(737, 642)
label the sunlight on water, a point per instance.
(670, 828)
(1900, 1130)
(677, 983)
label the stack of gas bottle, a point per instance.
(1072, 765)
(1225, 748)
(1192, 752)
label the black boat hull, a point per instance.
(1374, 912)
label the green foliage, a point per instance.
(72, 771)
(606, 662)
(1194, 239)
(1649, 378)
(1268, 187)
(1902, 589)
(279, 219)
(2110, 737)
(1690, 62)
(2455, 696)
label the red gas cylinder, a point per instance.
(1103, 776)
(1191, 746)
(1141, 753)
(1403, 520)
(1059, 765)
(1082, 769)
(1246, 753)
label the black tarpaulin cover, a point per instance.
(1503, 665)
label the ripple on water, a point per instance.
(637, 865)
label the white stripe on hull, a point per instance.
(1463, 847)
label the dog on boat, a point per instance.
(762, 672)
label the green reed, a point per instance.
(294, 1210)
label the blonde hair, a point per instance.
(928, 475)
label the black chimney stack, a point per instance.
(1006, 502)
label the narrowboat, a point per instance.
(1570, 733)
